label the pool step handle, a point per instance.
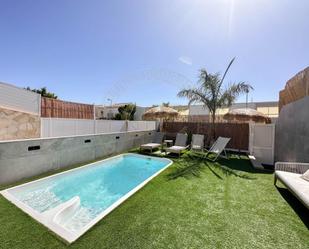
(67, 211)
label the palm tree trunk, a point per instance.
(213, 121)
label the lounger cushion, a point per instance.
(150, 146)
(196, 147)
(305, 176)
(295, 184)
(175, 149)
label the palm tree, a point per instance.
(211, 93)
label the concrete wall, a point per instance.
(292, 132)
(18, 125)
(18, 160)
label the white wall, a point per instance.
(198, 110)
(201, 110)
(141, 125)
(106, 126)
(19, 99)
(59, 127)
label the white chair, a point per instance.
(218, 147)
(180, 144)
(197, 142)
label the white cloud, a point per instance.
(185, 60)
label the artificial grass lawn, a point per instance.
(192, 204)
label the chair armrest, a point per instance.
(299, 168)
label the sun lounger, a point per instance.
(180, 144)
(197, 142)
(156, 142)
(291, 174)
(218, 147)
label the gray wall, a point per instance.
(17, 162)
(292, 132)
(138, 115)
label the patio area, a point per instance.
(193, 204)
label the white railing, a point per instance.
(19, 99)
(58, 127)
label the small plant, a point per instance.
(43, 91)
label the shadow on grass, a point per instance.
(297, 206)
(187, 166)
(241, 162)
(192, 164)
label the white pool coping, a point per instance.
(48, 218)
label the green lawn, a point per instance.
(193, 204)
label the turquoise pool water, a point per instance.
(98, 186)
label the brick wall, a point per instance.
(54, 108)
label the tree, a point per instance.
(166, 104)
(126, 112)
(44, 93)
(211, 93)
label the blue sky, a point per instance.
(146, 51)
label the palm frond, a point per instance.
(232, 93)
(194, 95)
(226, 71)
(211, 93)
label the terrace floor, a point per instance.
(193, 204)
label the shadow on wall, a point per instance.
(292, 132)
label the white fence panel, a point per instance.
(57, 127)
(134, 125)
(19, 99)
(151, 125)
(141, 125)
(102, 126)
(107, 126)
(84, 126)
(262, 142)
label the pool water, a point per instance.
(98, 186)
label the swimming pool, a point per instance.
(71, 202)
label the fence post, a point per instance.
(75, 127)
(50, 128)
(95, 126)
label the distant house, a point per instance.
(108, 111)
(198, 113)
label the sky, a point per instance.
(145, 51)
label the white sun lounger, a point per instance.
(197, 142)
(218, 147)
(180, 144)
(156, 142)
